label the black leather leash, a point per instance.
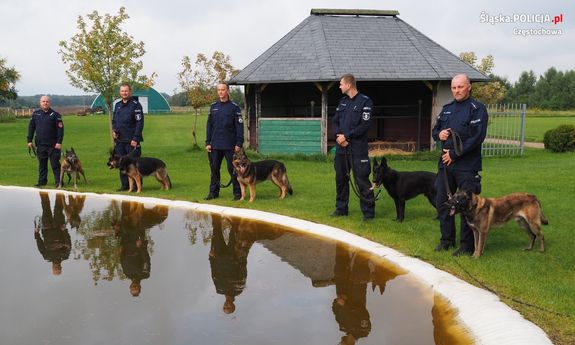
(458, 147)
(352, 182)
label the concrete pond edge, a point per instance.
(488, 320)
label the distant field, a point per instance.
(549, 113)
(535, 127)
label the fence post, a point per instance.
(523, 115)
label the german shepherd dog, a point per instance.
(483, 213)
(136, 168)
(250, 173)
(71, 165)
(403, 185)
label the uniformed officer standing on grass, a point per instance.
(351, 123)
(127, 125)
(224, 136)
(49, 129)
(468, 119)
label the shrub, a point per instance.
(560, 139)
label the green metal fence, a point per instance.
(506, 130)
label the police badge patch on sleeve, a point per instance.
(138, 117)
(366, 115)
(240, 120)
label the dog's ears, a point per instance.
(383, 161)
(72, 150)
(375, 161)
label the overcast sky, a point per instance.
(31, 29)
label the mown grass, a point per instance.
(540, 286)
(535, 127)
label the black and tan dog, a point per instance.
(71, 165)
(137, 167)
(403, 185)
(483, 213)
(250, 173)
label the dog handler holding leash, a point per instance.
(224, 136)
(49, 129)
(127, 126)
(351, 123)
(461, 127)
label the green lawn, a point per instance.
(535, 127)
(540, 286)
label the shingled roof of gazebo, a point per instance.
(372, 45)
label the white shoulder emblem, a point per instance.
(366, 116)
(240, 120)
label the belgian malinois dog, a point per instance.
(136, 168)
(403, 185)
(250, 173)
(71, 165)
(483, 213)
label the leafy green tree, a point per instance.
(102, 55)
(8, 78)
(523, 90)
(488, 92)
(199, 81)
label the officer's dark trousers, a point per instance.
(456, 179)
(123, 149)
(216, 157)
(361, 170)
(45, 153)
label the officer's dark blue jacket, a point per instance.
(353, 118)
(468, 119)
(48, 126)
(128, 121)
(225, 127)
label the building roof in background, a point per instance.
(370, 44)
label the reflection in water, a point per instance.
(134, 256)
(231, 243)
(51, 234)
(352, 273)
(131, 228)
(301, 289)
(73, 209)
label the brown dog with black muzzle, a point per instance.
(250, 173)
(71, 165)
(483, 213)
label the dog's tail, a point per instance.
(544, 220)
(169, 181)
(286, 181)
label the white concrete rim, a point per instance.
(488, 320)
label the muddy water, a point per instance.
(77, 270)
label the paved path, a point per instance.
(535, 145)
(515, 142)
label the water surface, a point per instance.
(79, 270)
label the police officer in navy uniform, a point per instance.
(49, 129)
(127, 125)
(224, 136)
(467, 118)
(351, 123)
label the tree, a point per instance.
(199, 81)
(8, 78)
(489, 92)
(102, 56)
(523, 90)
